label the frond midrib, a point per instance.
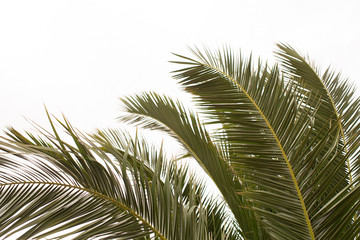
(278, 143)
(96, 194)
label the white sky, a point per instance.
(79, 57)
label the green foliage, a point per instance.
(284, 156)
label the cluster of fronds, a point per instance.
(285, 159)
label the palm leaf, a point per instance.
(262, 137)
(218, 221)
(270, 127)
(162, 113)
(338, 101)
(48, 185)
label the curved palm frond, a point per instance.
(270, 126)
(262, 124)
(48, 186)
(162, 113)
(337, 96)
(338, 104)
(219, 223)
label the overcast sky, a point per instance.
(79, 57)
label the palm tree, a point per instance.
(280, 143)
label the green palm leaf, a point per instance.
(263, 123)
(270, 127)
(162, 113)
(48, 186)
(337, 96)
(338, 103)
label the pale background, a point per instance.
(79, 57)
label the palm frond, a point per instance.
(269, 124)
(218, 221)
(337, 96)
(338, 103)
(48, 185)
(261, 136)
(162, 113)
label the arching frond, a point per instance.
(219, 222)
(162, 113)
(338, 105)
(262, 123)
(48, 185)
(294, 161)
